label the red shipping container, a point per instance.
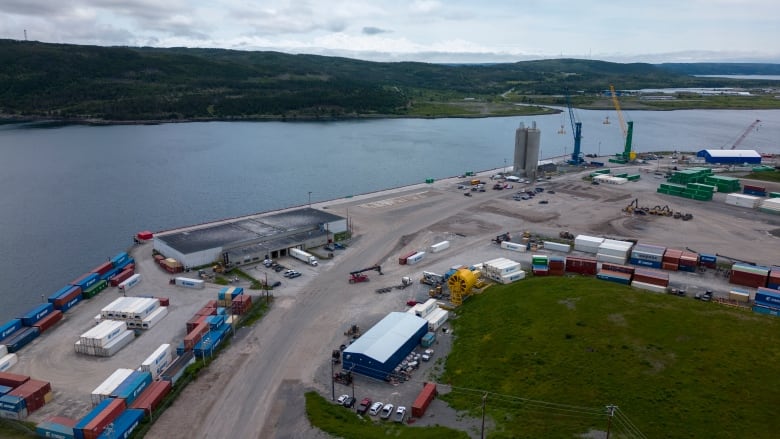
(107, 416)
(159, 258)
(49, 321)
(68, 422)
(12, 380)
(556, 271)
(33, 392)
(152, 396)
(423, 400)
(652, 277)
(102, 268)
(211, 304)
(121, 277)
(581, 265)
(669, 266)
(673, 256)
(164, 301)
(60, 302)
(130, 267)
(402, 259)
(195, 321)
(207, 311)
(191, 339)
(617, 267)
(747, 279)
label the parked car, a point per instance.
(364, 406)
(543, 202)
(387, 411)
(400, 414)
(349, 402)
(375, 408)
(276, 284)
(341, 399)
(330, 248)
(294, 275)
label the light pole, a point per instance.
(309, 198)
(599, 148)
(504, 166)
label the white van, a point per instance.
(512, 178)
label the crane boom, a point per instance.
(576, 129)
(745, 134)
(626, 127)
(616, 103)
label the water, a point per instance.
(75, 195)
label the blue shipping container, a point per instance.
(766, 297)
(37, 313)
(180, 349)
(119, 260)
(772, 286)
(133, 386)
(71, 303)
(62, 292)
(5, 389)
(687, 268)
(127, 262)
(9, 328)
(614, 278)
(54, 430)
(703, 257)
(644, 263)
(110, 273)
(78, 429)
(768, 311)
(215, 321)
(221, 311)
(21, 337)
(12, 403)
(124, 425)
(87, 281)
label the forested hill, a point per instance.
(722, 68)
(127, 83)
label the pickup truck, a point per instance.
(363, 406)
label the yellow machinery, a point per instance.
(626, 127)
(460, 285)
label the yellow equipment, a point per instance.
(627, 128)
(460, 285)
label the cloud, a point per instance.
(370, 30)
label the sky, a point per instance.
(452, 31)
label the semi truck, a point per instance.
(303, 256)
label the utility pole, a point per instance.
(484, 402)
(332, 382)
(611, 412)
(309, 198)
(266, 288)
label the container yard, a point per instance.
(612, 246)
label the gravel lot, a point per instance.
(254, 389)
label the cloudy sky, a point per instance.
(420, 30)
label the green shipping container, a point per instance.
(94, 289)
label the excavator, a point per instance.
(357, 276)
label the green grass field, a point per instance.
(675, 367)
(773, 176)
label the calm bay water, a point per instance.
(75, 195)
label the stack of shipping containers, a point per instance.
(767, 301)
(503, 270)
(22, 395)
(749, 275)
(689, 262)
(770, 205)
(652, 280)
(540, 265)
(586, 266)
(671, 259)
(613, 251)
(557, 266)
(647, 255)
(105, 339)
(587, 244)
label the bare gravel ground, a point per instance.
(254, 388)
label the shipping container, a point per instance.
(436, 319)
(512, 277)
(650, 253)
(103, 333)
(104, 390)
(50, 320)
(585, 266)
(123, 425)
(428, 339)
(132, 386)
(152, 396)
(10, 327)
(415, 258)
(440, 246)
(94, 290)
(102, 268)
(54, 430)
(556, 246)
(110, 274)
(739, 295)
(193, 337)
(669, 266)
(111, 348)
(423, 400)
(120, 259)
(7, 361)
(748, 279)
(513, 246)
(121, 277)
(190, 283)
(97, 419)
(64, 295)
(12, 380)
(21, 338)
(540, 270)
(34, 393)
(614, 276)
(37, 313)
(145, 235)
(12, 407)
(130, 282)
(86, 281)
(765, 297)
(659, 278)
(587, 244)
(154, 318)
(177, 367)
(672, 256)
(612, 259)
(617, 267)
(158, 361)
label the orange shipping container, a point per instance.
(423, 400)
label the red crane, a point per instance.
(743, 135)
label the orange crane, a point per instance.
(745, 134)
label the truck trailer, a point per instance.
(303, 256)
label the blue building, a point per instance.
(730, 156)
(377, 352)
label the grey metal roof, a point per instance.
(386, 337)
(263, 228)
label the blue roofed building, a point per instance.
(377, 352)
(730, 156)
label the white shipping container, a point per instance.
(130, 282)
(742, 200)
(512, 277)
(423, 309)
(3, 350)
(104, 389)
(440, 246)
(648, 287)
(8, 361)
(514, 246)
(620, 253)
(437, 318)
(739, 296)
(154, 318)
(589, 241)
(611, 259)
(556, 246)
(415, 258)
(503, 268)
(145, 309)
(190, 283)
(116, 344)
(616, 244)
(108, 311)
(103, 333)
(158, 361)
